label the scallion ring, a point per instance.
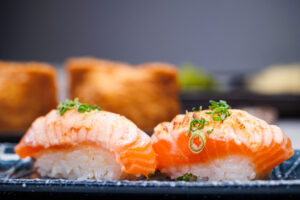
(203, 141)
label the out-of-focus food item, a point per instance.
(147, 94)
(277, 79)
(268, 114)
(193, 78)
(27, 90)
(219, 143)
(79, 141)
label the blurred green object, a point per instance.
(193, 78)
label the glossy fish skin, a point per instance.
(131, 146)
(240, 134)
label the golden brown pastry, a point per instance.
(27, 91)
(146, 94)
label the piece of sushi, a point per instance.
(79, 141)
(219, 144)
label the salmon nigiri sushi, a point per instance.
(79, 141)
(219, 144)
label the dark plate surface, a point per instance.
(284, 180)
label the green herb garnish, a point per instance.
(63, 107)
(197, 124)
(187, 177)
(209, 131)
(195, 110)
(199, 134)
(151, 174)
(187, 112)
(219, 110)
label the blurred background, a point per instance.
(246, 52)
(232, 35)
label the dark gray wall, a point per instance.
(231, 34)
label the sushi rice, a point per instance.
(226, 169)
(78, 163)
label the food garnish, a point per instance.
(197, 124)
(209, 131)
(219, 112)
(187, 177)
(203, 141)
(195, 110)
(151, 174)
(157, 176)
(63, 107)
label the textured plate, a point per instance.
(284, 180)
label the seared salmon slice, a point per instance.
(239, 134)
(131, 147)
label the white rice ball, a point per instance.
(231, 168)
(78, 163)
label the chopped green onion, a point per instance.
(197, 124)
(195, 110)
(203, 141)
(209, 131)
(200, 108)
(187, 177)
(151, 174)
(67, 105)
(215, 104)
(63, 107)
(219, 110)
(186, 112)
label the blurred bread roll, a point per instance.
(147, 94)
(27, 91)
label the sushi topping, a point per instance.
(63, 107)
(199, 145)
(195, 130)
(187, 177)
(151, 174)
(195, 110)
(158, 176)
(219, 112)
(197, 124)
(209, 131)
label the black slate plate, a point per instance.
(284, 180)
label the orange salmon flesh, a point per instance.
(131, 146)
(239, 134)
